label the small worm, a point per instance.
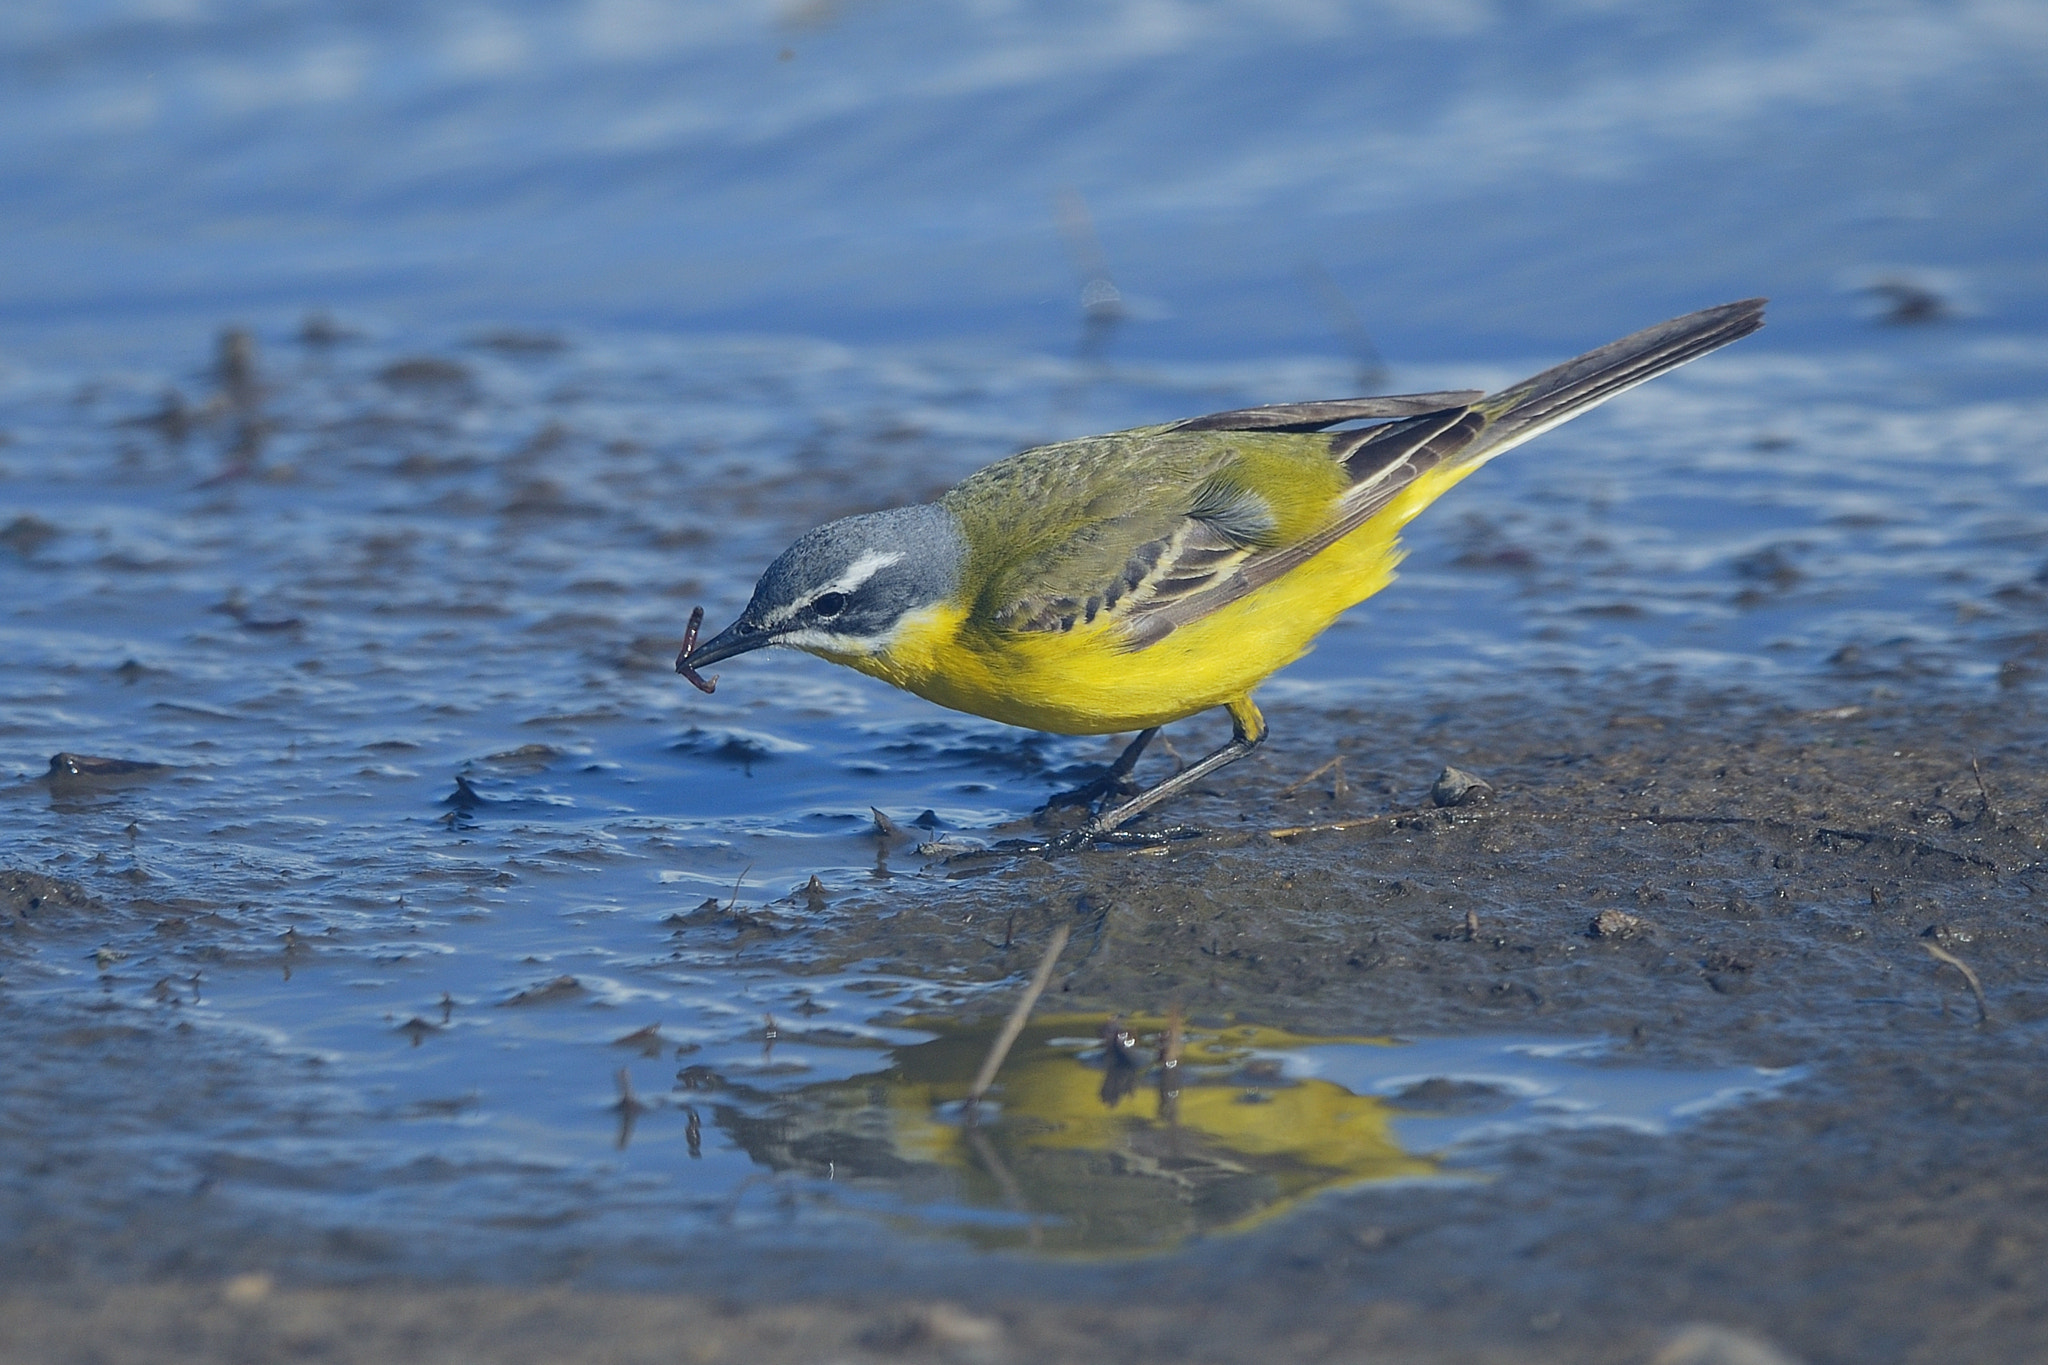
(702, 684)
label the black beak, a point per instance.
(734, 639)
(731, 641)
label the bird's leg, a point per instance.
(1112, 782)
(1248, 733)
(1116, 781)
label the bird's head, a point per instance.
(844, 588)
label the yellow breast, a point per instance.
(1086, 681)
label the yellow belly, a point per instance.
(1086, 682)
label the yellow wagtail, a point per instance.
(1120, 582)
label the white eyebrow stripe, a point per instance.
(870, 563)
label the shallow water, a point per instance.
(398, 635)
(1471, 175)
(374, 608)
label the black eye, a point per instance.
(829, 604)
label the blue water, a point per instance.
(1478, 177)
(691, 279)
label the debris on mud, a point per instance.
(1456, 787)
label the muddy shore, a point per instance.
(1714, 878)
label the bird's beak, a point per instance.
(727, 643)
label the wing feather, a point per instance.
(1381, 461)
(1213, 540)
(1204, 537)
(1323, 415)
(1223, 544)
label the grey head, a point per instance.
(844, 587)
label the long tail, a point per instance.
(1399, 467)
(1562, 392)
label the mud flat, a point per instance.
(1703, 879)
(399, 961)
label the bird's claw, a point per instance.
(1073, 840)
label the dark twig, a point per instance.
(1983, 790)
(1462, 815)
(1014, 1025)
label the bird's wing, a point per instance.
(1324, 415)
(1061, 533)
(1160, 526)
(1464, 429)
(1141, 560)
(1379, 462)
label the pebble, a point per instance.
(1456, 787)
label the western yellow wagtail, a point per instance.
(1120, 582)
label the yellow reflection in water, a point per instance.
(1077, 1154)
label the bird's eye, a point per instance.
(829, 604)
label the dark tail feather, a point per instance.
(1563, 392)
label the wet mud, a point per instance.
(1632, 923)
(1707, 879)
(1627, 949)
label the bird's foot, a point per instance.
(1070, 841)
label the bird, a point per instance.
(1121, 582)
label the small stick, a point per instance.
(1296, 831)
(1976, 986)
(1014, 1025)
(1982, 790)
(1337, 763)
(702, 684)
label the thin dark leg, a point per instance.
(1128, 759)
(1112, 782)
(1248, 733)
